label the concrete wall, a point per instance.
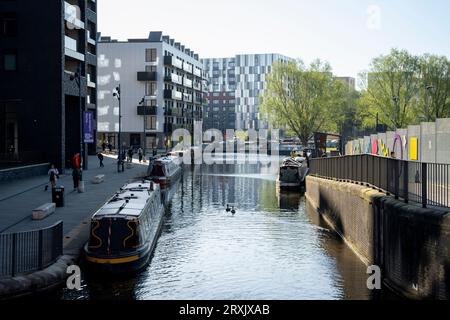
(410, 244)
(23, 172)
(348, 208)
(433, 147)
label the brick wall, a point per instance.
(410, 244)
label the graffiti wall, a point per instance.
(427, 142)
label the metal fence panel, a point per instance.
(29, 251)
(425, 183)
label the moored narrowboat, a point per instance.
(124, 231)
(165, 170)
(292, 175)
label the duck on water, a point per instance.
(124, 231)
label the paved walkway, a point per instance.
(19, 198)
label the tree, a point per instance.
(300, 98)
(434, 87)
(346, 116)
(390, 89)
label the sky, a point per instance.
(346, 33)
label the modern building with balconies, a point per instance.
(43, 46)
(161, 84)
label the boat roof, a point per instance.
(290, 162)
(166, 159)
(130, 200)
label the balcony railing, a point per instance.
(72, 15)
(70, 43)
(147, 110)
(71, 48)
(173, 94)
(172, 77)
(146, 76)
(89, 39)
(173, 61)
(187, 97)
(198, 72)
(187, 67)
(187, 82)
(197, 86)
(90, 81)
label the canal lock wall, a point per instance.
(410, 244)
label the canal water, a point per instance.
(274, 247)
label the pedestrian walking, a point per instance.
(54, 175)
(130, 154)
(110, 147)
(100, 158)
(140, 154)
(104, 146)
(76, 178)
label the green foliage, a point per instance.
(302, 99)
(391, 88)
(401, 87)
(434, 88)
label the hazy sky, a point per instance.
(347, 33)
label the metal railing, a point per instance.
(425, 183)
(26, 252)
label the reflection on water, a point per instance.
(274, 247)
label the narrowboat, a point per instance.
(165, 170)
(292, 175)
(124, 231)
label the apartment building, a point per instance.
(161, 89)
(44, 45)
(234, 89)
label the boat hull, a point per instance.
(127, 263)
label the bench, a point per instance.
(98, 179)
(44, 211)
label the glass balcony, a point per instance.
(72, 15)
(187, 82)
(70, 43)
(173, 77)
(71, 49)
(173, 61)
(187, 67)
(173, 94)
(187, 97)
(198, 72)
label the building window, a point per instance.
(150, 68)
(150, 103)
(150, 89)
(150, 55)
(150, 123)
(10, 60)
(9, 25)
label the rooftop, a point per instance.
(154, 36)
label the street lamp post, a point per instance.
(77, 78)
(120, 164)
(142, 102)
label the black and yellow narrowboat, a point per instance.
(124, 230)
